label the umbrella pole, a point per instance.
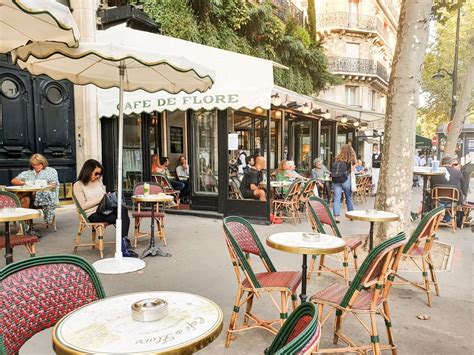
(119, 264)
(118, 224)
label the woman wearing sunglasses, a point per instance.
(89, 191)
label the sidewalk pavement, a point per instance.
(200, 264)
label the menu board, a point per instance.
(176, 140)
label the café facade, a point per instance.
(244, 110)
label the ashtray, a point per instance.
(371, 211)
(313, 237)
(149, 310)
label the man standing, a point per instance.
(250, 186)
(376, 161)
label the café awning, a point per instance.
(423, 142)
(241, 81)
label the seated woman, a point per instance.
(89, 191)
(182, 172)
(320, 173)
(155, 163)
(293, 174)
(250, 186)
(47, 200)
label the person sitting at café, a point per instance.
(182, 172)
(249, 164)
(452, 178)
(46, 200)
(359, 167)
(155, 163)
(250, 185)
(320, 173)
(163, 169)
(293, 174)
(89, 192)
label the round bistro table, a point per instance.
(106, 326)
(155, 199)
(372, 217)
(28, 188)
(8, 215)
(427, 173)
(297, 243)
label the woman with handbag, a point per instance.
(90, 191)
(341, 179)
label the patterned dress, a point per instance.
(47, 200)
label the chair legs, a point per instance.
(97, 237)
(250, 319)
(160, 231)
(345, 265)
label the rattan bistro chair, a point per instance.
(242, 240)
(367, 294)
(449, 197)
(163, 181)
(138, 213)
(289, 206)
(418, 249)
(36, 293)
(97, 230)
(306, 192)
(8, 199)
(299, 335)
(319, 215)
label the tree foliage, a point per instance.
(252, 29)
(440, 54)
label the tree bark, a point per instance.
(465, 99)
(395, 183)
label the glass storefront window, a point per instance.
(326, 144)
(132, 152)
(205, 152)
(302, 134)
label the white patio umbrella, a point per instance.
(109, 65)
(24, 21)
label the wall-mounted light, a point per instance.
(305, 108)
(343, 119)
(356, 123)
(259, 110)
(326, 115)
(276, 100)
(277, 113)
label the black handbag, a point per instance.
(108, 203)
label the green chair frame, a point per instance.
(367, 294)
(419, 247)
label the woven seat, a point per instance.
(36, 293)
(466, 209)
(289, 279)
(320, 215)
(16, 240)
(147, 214)
(418, 251)
(299, 335)
(353, 242)
(138, 213)
(367, 293)
(448, 196)
(8, 199)
(242, 241)
(334, 294)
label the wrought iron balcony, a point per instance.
(286, 6)
(347, 20)
(357, 66)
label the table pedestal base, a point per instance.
(154, 251)
(118, 265)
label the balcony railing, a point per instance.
(368, 23)
(286, 6)
(357, 66)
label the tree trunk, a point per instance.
(465, 99)
(395, 182)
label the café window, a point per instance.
(132, 151)
(205, 152)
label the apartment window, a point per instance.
(353, 6)
(374, 101)
(352, 95)
(352, 50)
